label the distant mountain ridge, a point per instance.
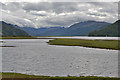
(9, 30)
(77, 29)
(44, 31)
(83, 28)
(112, 30)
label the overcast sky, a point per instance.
(52, 14)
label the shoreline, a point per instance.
(110, 44)
(18, 37)
(66, 37)
(20, 75)
(101, 44)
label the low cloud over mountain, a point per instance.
(50, 14)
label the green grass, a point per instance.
(18, 38)
(104, 44)
(18, 75)
(54, 36)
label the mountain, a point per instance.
(112, 30)
(78, 29)
(10, 30)
(44, 31)
(83, 28)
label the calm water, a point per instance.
(86, 37)
(35, 56)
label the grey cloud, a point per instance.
(97, 14)
(37, 6)
(110, 7)
(57, 7)
(12, 6)
(44, 14)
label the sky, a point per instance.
(57, 14)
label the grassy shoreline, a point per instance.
(19, 75)
(103, 44)
(26, 38)
(18, 38)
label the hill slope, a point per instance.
(112, 30)
(52, 31)
(10, 30)
(78, 29)
(83, 28)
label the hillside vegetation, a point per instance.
(10, 30)
(112, 30)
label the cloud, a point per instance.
(3, 1)
(50, 14)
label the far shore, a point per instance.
(7, 46)
(67, 41)
(18, 37)
(27, 38)
(56, 37)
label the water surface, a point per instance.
(35, 56)
(86, 37)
